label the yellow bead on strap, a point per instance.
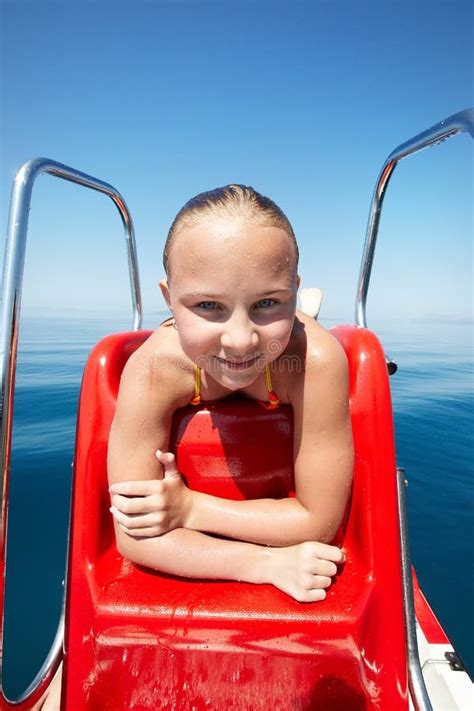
(273, 399)
(197, 386)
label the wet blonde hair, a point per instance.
(234, 201)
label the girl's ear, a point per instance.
(165, 290)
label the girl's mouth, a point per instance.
(237, 365)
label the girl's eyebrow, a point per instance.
(207, 295)
(201, 294)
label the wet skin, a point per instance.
(232, 290)
(233, 296)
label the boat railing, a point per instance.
(416, 682)
(9, 320)
(440, 132)
(12, 283)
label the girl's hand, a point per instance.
(153, 507)
(304, 571)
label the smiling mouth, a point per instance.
(237, 364)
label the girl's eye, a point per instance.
(207, 305)
(265, 303)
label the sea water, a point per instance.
(433, 397)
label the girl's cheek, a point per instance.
(278, 339)
(196, 341)
(198, 338)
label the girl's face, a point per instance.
(232, 291)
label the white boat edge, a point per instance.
(448, 689)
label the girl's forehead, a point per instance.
(232, 247)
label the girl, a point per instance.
(231, 263)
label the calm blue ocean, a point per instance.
(433, 394)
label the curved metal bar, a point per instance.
(458, 123)
(9, 314)
(416, 683)
(50, 665)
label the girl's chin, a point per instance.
(234, 385)
(236, 379)
(237, 376)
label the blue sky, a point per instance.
(302, 100)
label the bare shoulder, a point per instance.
(158, 371)
(319, 341)
(322, 357)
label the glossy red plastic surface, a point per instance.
(138, 639)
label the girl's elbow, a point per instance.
(327, 531)
(126, 545)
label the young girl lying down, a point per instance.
(231, 263)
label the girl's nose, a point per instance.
(240, 336)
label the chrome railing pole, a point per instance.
(416, 683)
(50, 665)
(9, 314)
(458, 123)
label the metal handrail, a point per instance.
(50, 665)
(9, 320)
(457, 123)
(416, 682)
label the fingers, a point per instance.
(314, 549)
(310, 595)
(315, 582)
(149, 486)
(138, 505)
(141, 526)
(323, 550)
(318, 567)
(314, 595)
(136, 488)
(168, 460)
(321, 567)
(135, 522)
(318, 582)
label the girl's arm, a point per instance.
(323, 474)
(324, 461)
(303, 571)
(147, 399)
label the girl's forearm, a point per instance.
(195, 555)
(273, 522)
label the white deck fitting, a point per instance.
(449, 690)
